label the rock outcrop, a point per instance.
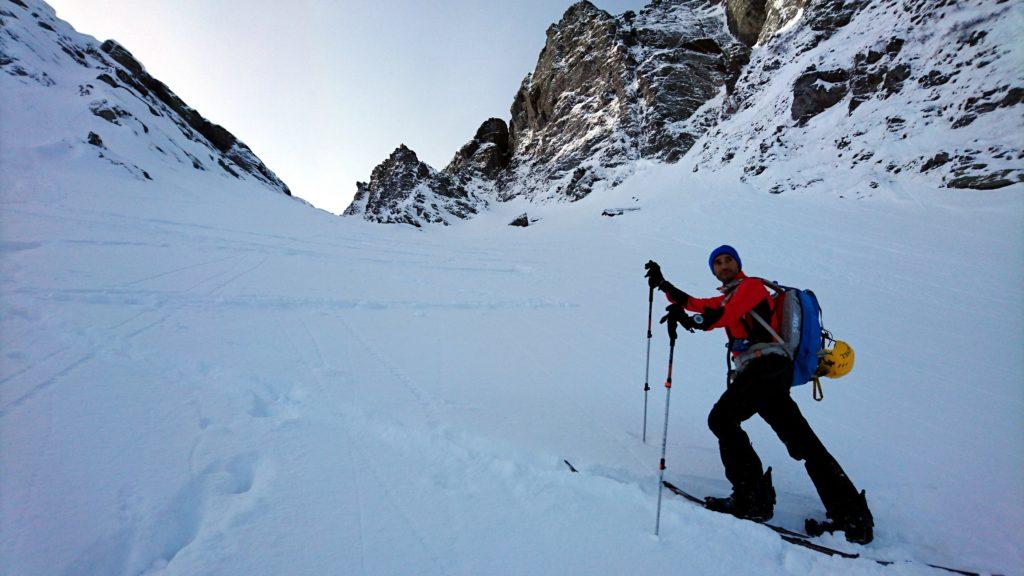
(404, 190)
(817, 90)
(482, 159)
(746, 19)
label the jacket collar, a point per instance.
(726, 288)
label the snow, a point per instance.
(200, 375)
(210, 379)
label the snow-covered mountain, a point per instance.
(831, 95)
(109, 108)
(854, 94)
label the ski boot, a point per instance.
(855, 522)
(754, 501)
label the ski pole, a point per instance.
(647, 372)
(664, 436)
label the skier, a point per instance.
(760, 386)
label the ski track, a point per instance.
(323, 401)
(358, 458)
(176, 271)
(37, 387)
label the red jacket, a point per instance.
(734, 309)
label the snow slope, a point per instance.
(220, 380)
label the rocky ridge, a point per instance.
(129, 114)
(784, 95)
(404, 190)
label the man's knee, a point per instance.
(797, 449)
(720, 421)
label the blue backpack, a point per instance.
(800, 334)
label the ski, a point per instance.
(791, 536)
(803, 540)
(797, 538)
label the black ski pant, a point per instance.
(763, 389)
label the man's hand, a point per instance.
(654, 277)
(676, 315)
(691, 323)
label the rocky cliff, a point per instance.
(606, 91)
(113, 105)
(838, 95)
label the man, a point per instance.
(761, 386)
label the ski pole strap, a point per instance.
(816, 391)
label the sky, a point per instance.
(324, 91)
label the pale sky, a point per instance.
(324, 91)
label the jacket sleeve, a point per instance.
(699, 305)
(747, 296)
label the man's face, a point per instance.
(725, 268)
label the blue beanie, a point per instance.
(724, 249)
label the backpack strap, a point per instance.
(730, 289)
(772, 331)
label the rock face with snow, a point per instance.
(840, 95)
(132, 120)
(608, 91)
(863, 93)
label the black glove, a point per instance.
(675, 294)
(654, 277)
(675, 315)
(691, 323)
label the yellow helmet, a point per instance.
(836, 361)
